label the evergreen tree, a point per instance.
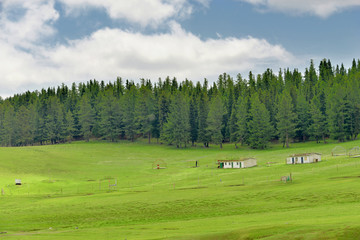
(204, 136)
(176, 129)
(242, 116)
(54, 120)
(286, 118)
(337, 113)
(86, 117)
(69, 126)
(41, 109)
(233, 128)
(8, 129)
(318, 119)
(194, 118)
(155, 125)
(310, 81)
(164, 108)
(325, 71)
(260, 128)
(129, 117)
(32, 121)
(23, 127)
(111, 119)
(228, 100)
(252, 83)
(215, 120)
(353, 108)
(304, 117)
(145, 111)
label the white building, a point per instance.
(17, 181)
(243, 163)
(303, 158)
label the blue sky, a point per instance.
(48, 42)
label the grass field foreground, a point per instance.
(67, 192)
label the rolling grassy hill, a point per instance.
(66, 194)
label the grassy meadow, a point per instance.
(67, 193)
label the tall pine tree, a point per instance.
(286, 118)
(215, 120)
(86, 117)
(242, 117)
(176, 129)
(318, 127)
(260, 128)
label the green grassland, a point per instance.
(66, 194)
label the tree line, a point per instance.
(287, 106)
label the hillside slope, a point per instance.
(68, 192)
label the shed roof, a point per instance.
(304, 154)
(237, 160)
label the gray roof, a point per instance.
(237, 160)
(304, 154)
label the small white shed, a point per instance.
(303, 158)
(17, 181)
(242, 163)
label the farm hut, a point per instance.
(304, 158)
(17, 181)
(242, 163)
(338, 151)
(354, 152)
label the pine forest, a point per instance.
(286, 106)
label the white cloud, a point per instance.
(143, 12)
(321, 8)
(34, 24)
(111, 52)
(27, 64)
(21, 71)
(108, 53)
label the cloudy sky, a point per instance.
(48, 42)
